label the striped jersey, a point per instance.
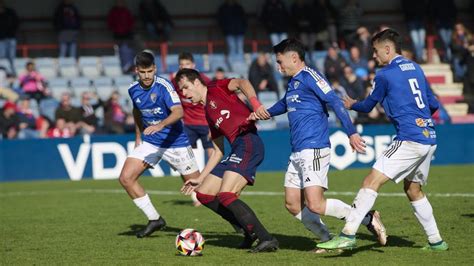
(305, 101)
(154, 104)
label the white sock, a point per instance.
(337, 208)
(363, 202)
(424, 214)
(312, 222)
(144, 203)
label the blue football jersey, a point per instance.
(154, 104)
(402, 89)
(305, 101)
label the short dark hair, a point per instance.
(190, 74)
(291, 44)
(391, 36)
(144, 59)
(186, 56)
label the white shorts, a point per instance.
(307, 168)
(406, 159)
(180, 159)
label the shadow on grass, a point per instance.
(135, 228)
(179, 202)
(468, 215)
(392, 241)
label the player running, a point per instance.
(157, 112)
(221, 182)
(401, 87)
(305, 101)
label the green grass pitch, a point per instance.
(93, 222)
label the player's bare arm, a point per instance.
(213, 161)
(247, 89)
(175, 115)
(137, 116)
(357, 143)
(348, 102)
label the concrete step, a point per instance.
(457, 109)
(449, 89)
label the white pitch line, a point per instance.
(249, 193)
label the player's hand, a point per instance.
(189, 186)
(348, 102)
(262, 114)
(152, 129)
(252, 116)
(357, 143)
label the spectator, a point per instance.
(60, 130)
(121, 22)
(349, 21)
(8, 27)
(461, 40)
(415, 12)
(359, 65)
(70, 114)
(27, 120)
(261, 75)
(156, 19)
(9, 121)
(233, 22)
(32, 83)
(323, 24)
(355, 86)
(114, 117)
(444, 13)
(67, 22)
(275, 17)
(89, 121)
(334, 64)
(219, 74)
(364, 44)
(468, 90)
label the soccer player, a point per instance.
(401, 87)
(305, 101)
(221, 182)
(195, 123)
(157, 112)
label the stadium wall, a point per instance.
(101, 157)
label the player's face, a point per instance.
(189, 90)
(286, 63)
(382, 53)
(185, 63)
(146, 75)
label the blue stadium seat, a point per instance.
(218, 60)
(90, 66)
(172, 64)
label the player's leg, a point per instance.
(232, 184)
(421, 206)
(139, 160)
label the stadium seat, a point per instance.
(20, 65)
(172, 64)
(48, 108)
(104, 87)
(58, 86)
(111, 66)
(216, 61)
(68, 67)
(47, 66)
(122, 83)
(80, 85)
(90, 66)
(200, 63)
(4, 63)
(110, 60)
(268, 98)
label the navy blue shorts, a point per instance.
(198, 132)
(246, 155)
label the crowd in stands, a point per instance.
(338, 45)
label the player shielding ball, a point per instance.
(221, 182)
(306, 179)
(402, 89)
(157, 112)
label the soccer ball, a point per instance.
(189, 242)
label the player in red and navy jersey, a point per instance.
(220, 182)
(194, 119)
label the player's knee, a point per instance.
(125, 180)
(317, 207)
(414, 193)
(226, 198)
(292, 207)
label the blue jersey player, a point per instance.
(401, 87)
(157, 112)
(307, 95)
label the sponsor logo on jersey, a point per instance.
(293, 98)
(138, 100)
(296, 84)
(421, 122)
(426, 133)
(324, 86)
(226, 113)
(153, 97)
(213, 104)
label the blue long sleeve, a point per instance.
(342, 115)
(278, 108)
(365, 106)
(432, 101)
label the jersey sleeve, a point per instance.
(278, 108)
(379, 90)
(432, 101)
(171, 97)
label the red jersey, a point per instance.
(194, 114)
(225, 112)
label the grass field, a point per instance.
(93, 222)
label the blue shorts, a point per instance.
(198, 132)
(246, 155)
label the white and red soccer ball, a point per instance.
(189, 242)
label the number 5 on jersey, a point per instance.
(415, 88)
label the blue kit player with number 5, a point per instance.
(402, 89)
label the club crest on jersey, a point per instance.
(296, 84)
(153, 97)
(213, 104)
(138, 100)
